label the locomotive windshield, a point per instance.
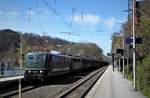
(35, 60)
(36, 57)
(40, 57)
(30, 58)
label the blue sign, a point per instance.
(129, 40)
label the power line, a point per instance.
(70, 33)
(58, 15)
(73, 8)
(29, 14)
(55, 1)
(72, 16)
(44, 30)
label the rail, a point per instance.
(81, 89)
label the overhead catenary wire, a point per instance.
(44, 30)
(82, 17)
(74, 10)
(37, 6)
(53, 9)
(55, 1)
(72, 16)
(39, 19)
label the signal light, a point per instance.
(138, 40)
(120, 51)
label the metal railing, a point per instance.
(11, 72)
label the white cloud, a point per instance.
(87, 19)
(110, 22)
(13, 13)
(9, 13)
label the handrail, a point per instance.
(11, 72)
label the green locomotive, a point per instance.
(42, 65)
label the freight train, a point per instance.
(42, 65)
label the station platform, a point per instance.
(10, 78)
(113, 85)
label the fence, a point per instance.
(11, 72)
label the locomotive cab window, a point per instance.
(30, 58)
(40, 57)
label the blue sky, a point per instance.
(94, 20)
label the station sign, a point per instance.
(129, 40)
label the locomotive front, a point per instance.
(35, 65)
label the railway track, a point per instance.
(81, 88)
(53, 89)
(12, 89)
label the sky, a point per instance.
(91, 21)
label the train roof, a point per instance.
(59, 54)
(33, 53)
(51, 53)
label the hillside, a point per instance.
(10, 46)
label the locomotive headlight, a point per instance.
(41, 71)
(29, 71)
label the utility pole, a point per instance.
(133, 28)
(19, 86)
(29, 13)
(29, 20)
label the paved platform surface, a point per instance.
(113, 85)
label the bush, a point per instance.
(143, 76)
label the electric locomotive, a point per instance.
(41, 65)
